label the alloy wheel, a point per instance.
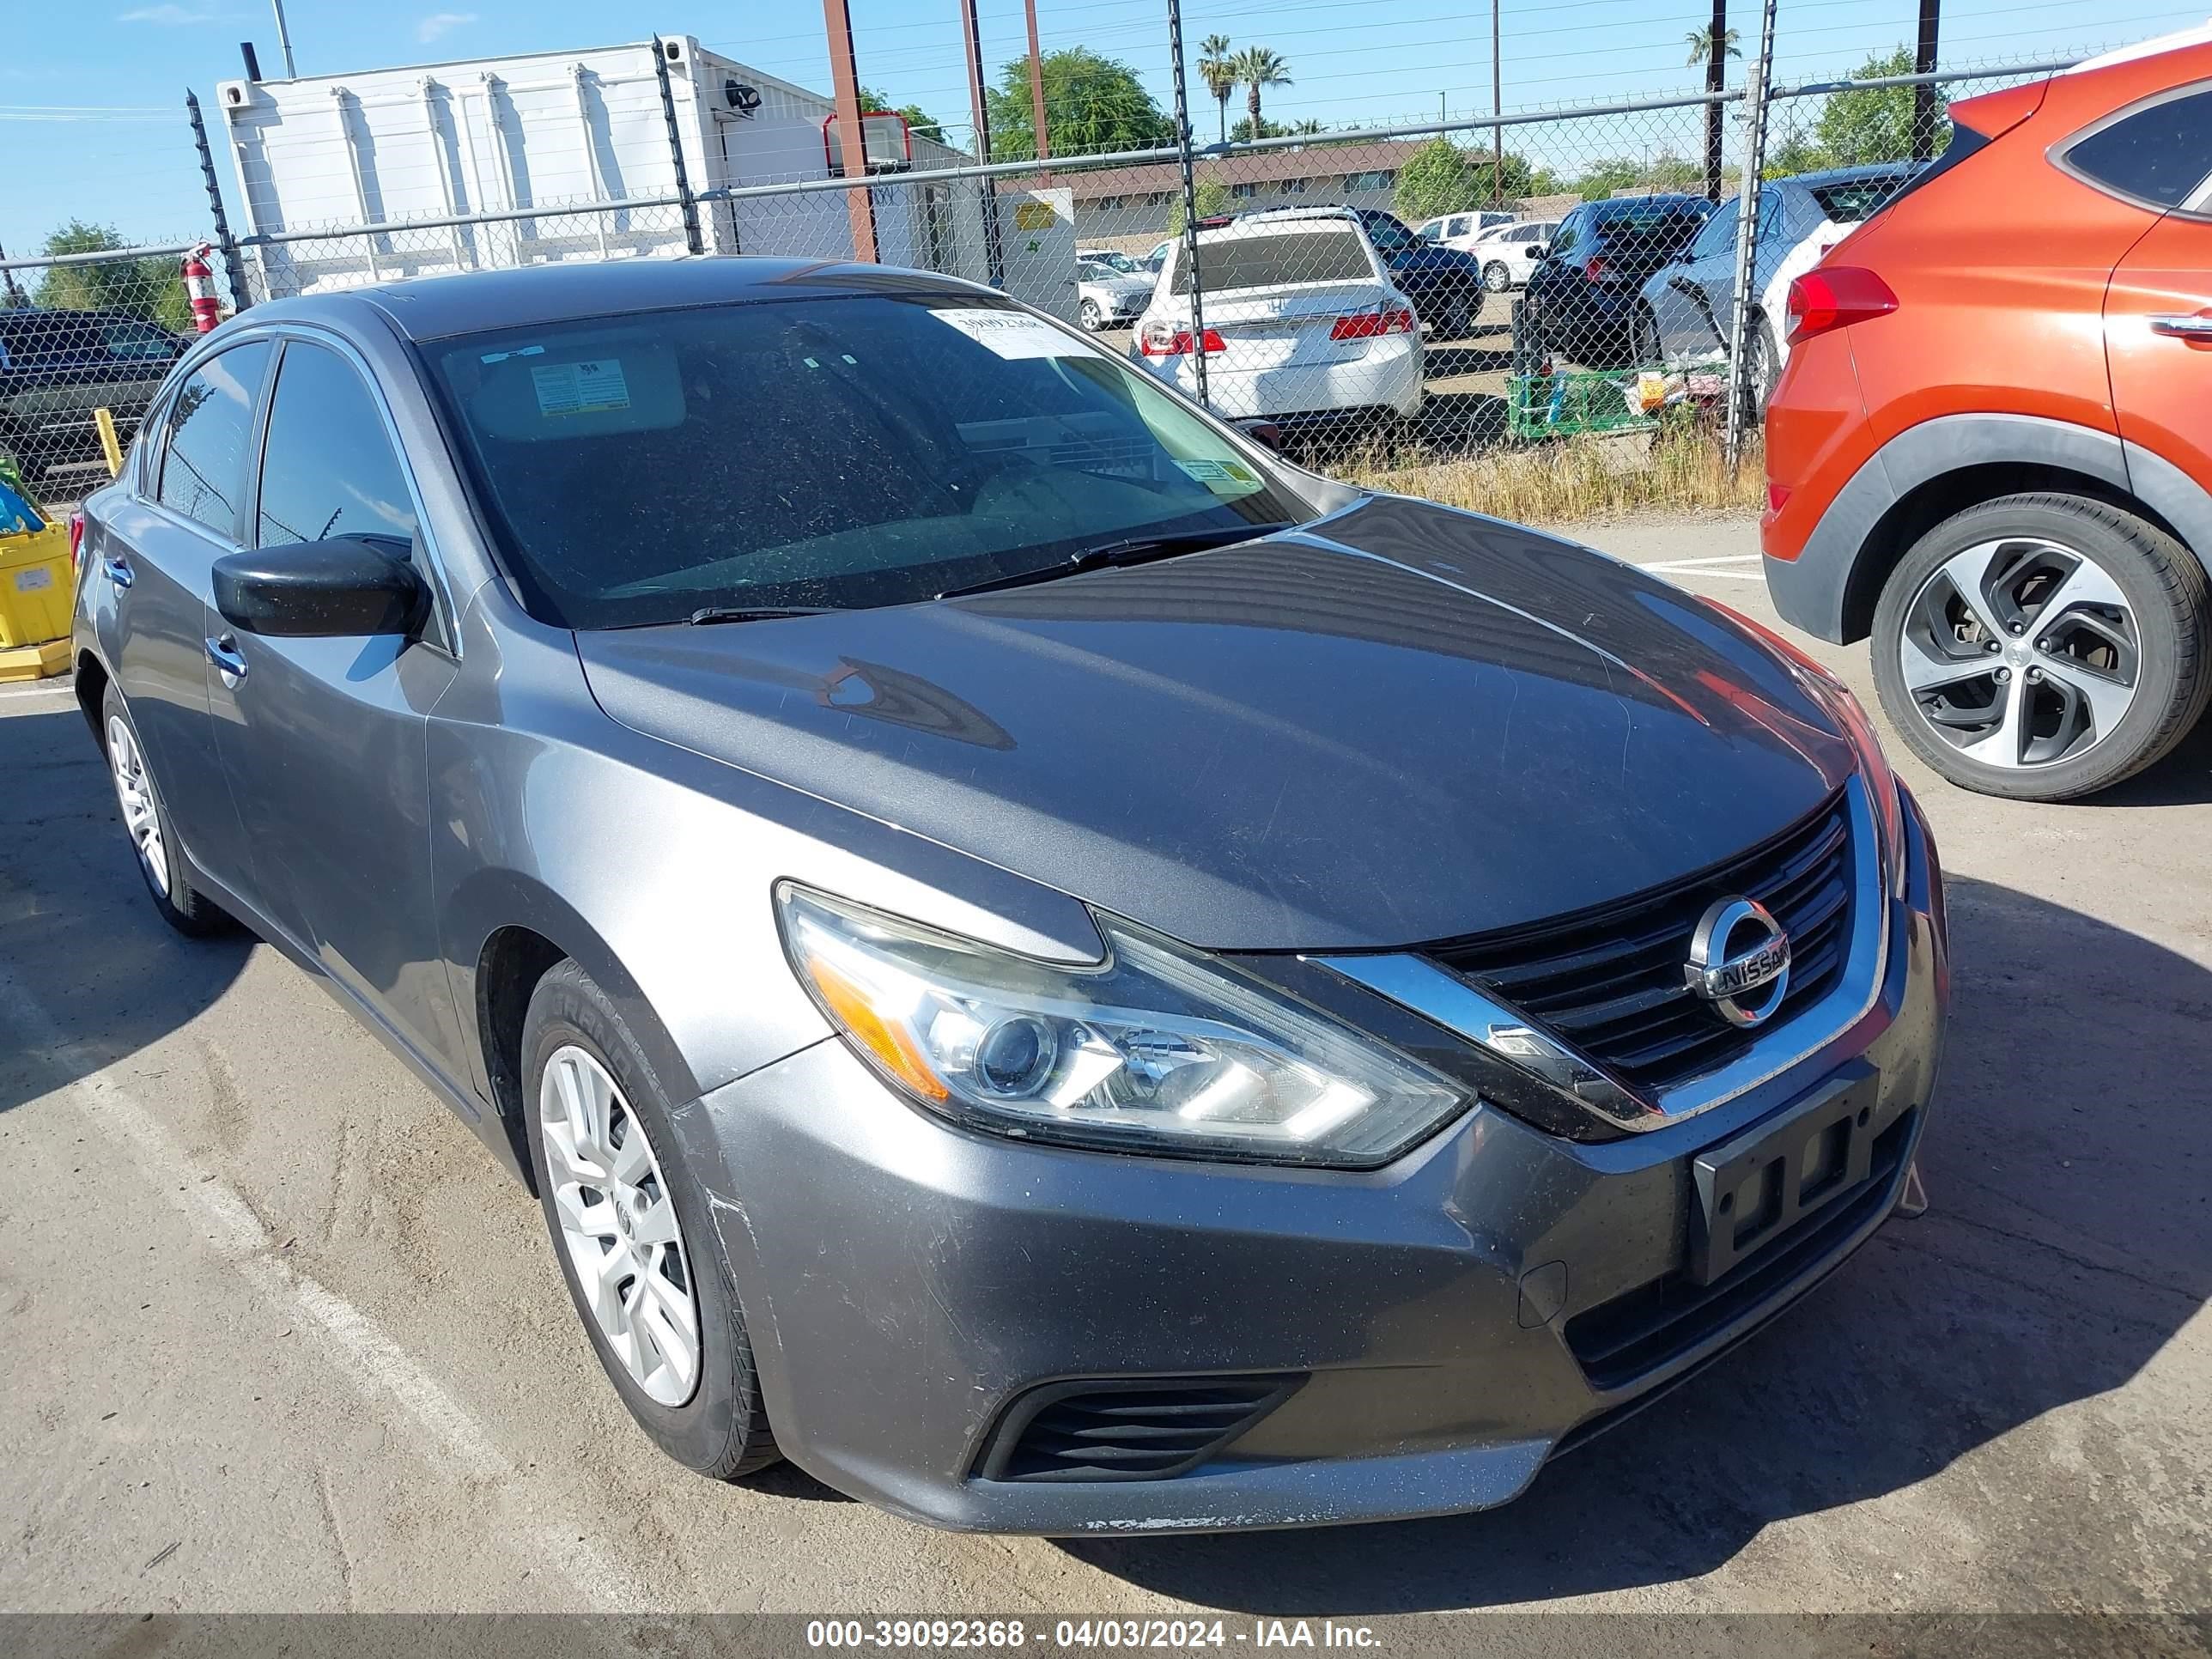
(619, 1225)
(134, 793)
(2021, 652)
(1092, 319)
(1497, 278)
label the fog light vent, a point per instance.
(1127, 1429)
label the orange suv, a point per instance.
(1991, 446)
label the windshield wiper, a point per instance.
(738, 613)
(1134, 550)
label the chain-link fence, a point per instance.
(1418, 292)
(88, 331)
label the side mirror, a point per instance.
(1266, 433)
(342, 588)
(1540, 251)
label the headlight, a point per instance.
(1158, 1050)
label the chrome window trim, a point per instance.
(1415, 982)
(2060, 155)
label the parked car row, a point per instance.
(56, 365)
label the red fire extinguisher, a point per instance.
(199, 283)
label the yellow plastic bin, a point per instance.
(36, 592)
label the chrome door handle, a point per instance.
(118, 571)
(224, 654)
(2198, 327)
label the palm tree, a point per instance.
(1257, 67)
(1713, 45)
(1701, 44)
(1218, 71)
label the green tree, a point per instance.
(1601, 179)
(151, 288)
(1701, 44)
(917, 120)
(1442, 178)
(1260, 67)
(1218, 71)
(1795, 154)
(1212, 197)
(1874, 124)
(1091, 104)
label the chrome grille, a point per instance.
(1610, 981)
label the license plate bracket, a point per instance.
(1754, 1189)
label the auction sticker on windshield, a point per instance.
(585, 388)
(1013, 334)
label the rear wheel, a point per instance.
(1455, 312)
(632, 1229)
(1496, 277)
(161, 859)
(1762, 364)
(2042, 647)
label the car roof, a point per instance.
(1277, 219)
(435, 307)
(64, 316)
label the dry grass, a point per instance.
(1573, 479)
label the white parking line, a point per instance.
(366, 1353)
(1714, 561)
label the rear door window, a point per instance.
(2157, 155)
(1335, 255)
(208, 429)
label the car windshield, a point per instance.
(1120, 261)
(1330, 253)
(826, 451)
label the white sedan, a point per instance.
(1509, 252)
(1106, 297)
(1301, 317)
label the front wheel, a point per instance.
(632, 1227)
(1091, 317)
(2042, 647)
(1496, 277)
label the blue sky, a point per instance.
(91, 94)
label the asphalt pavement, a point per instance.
(278, 1335)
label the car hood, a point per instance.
(1397, 723)
(1123, 285)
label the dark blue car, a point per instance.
(1582, 297)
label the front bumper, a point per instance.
(1457, 1317)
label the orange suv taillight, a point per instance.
(1834, 296)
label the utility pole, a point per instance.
(1497, 108)
(1037, 94)
(978, 113)
(1189, 201)
(1924, 93)
(852, 137)
(1716, 81)
(284, 40)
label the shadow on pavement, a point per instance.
(2071, 1238)
(79, 932)
(2183, 778)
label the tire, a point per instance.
(1764, 368)
(1457, 313)
(1496, 277)
(159, 859)
(1644, 350)
(710, 1420)
(2005, 696)
(1089, 315)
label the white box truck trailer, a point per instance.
(498, 162)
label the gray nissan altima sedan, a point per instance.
(1053, 967)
